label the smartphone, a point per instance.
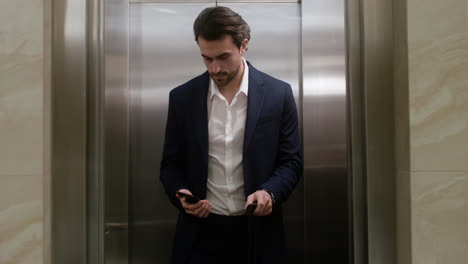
(189, 198)
(250, 209)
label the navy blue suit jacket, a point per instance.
(271, 155)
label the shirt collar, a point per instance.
(244, 86)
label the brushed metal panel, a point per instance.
(169, 2)
(210, 1)
(95, 134)
(116, 126)
(222, 2)
(279, 23)
(163, 55)
(326, 179)
(358, 221)
(68, 168)
(162, 58)
(377, 45)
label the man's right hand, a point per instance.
(201, 209)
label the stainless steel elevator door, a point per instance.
(164, 54)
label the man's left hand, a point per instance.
(264, 203)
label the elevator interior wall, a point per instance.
(302, 43)
(163, 54)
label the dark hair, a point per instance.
(214, 22)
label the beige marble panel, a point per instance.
(430, 20)
(21, 219)
(21, 122)
(21, 83)
(21, 25)
(438, 92)
(440, 217)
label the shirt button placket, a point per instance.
(226, 146)
(228, 149)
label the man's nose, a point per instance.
(215, 67)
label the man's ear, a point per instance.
(244, 46)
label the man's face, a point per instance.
(222, 58)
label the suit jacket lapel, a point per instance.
(200, 114)
(254, 104)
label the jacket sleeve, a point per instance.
(289, 165)
(172, 170)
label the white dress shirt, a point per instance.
(226, 125)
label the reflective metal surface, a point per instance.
(212, 1)
(326, 181)
(358, 200)
(161, 59)
(377, 47)
(95, 134)
(222, 2)
(280, 23)
(168, 2)
(116, 125)
(68, 152)
(163, 54)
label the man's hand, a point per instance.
(201, 209)
(264, 203)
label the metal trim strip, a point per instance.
(356, 124)
(68, 121)
(116, 124)
(95, 139)
(325, 129)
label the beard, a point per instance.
(224, 78)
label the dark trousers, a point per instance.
(223, 239)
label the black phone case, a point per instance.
(189, 198)
(250, 209)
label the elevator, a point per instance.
(136, 51)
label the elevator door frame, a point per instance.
(82, 100)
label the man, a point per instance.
(231, 140)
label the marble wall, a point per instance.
(438, 106)
(431, 128)
(21, 131)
